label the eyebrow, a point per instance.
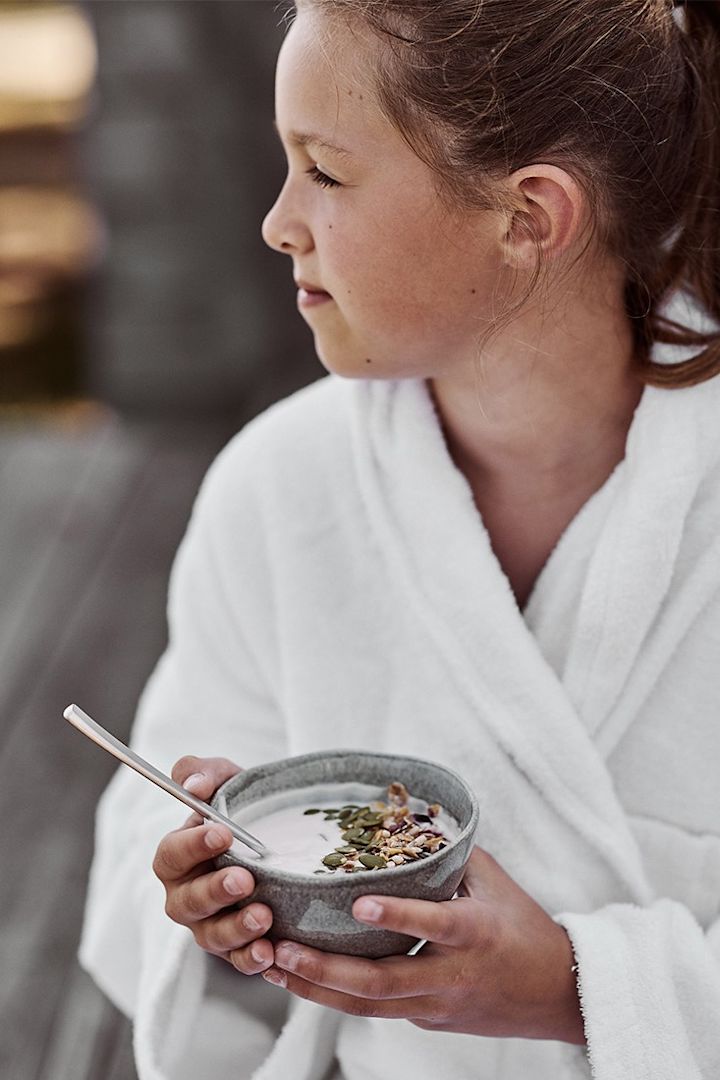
(310, 138)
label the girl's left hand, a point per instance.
(495, 964)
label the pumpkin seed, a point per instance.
(333, 860)
(352, 834)
(373, 861)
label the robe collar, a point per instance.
(426, 522)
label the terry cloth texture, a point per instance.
(336, 588)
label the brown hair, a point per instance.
(624, 95)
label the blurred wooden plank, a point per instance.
(60, 499)
(120, 1064)
(85, 1035)
(88, 626)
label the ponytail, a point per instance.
(693, 261)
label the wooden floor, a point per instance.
(91, 512)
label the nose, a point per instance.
(284, 229)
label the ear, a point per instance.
(548, 207)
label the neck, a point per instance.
(547, 406)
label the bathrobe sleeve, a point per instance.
(649, 983)
(207, 696)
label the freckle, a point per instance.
(330, 227)
(472, 290)
(350, 93)
(368, 360)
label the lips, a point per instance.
(308, 287)
(310, 295)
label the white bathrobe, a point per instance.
(336, 588)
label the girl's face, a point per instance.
(408, 286)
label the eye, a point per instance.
(322, 178)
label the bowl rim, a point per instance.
(347, 880)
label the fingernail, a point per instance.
(195, 782)
(288, 956)
(234, 884)
(277, 978)
(257, 954)
(369, 910)
(214, 839)
(251, 922)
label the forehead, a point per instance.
(324, 83)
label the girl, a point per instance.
(489, 538)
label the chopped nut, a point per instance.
(397, 793)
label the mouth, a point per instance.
(310, 295)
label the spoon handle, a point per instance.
(123, 753)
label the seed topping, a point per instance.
(382, 836)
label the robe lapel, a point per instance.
(694, 421)
(615, 644)
(426, 523)
(631, 568)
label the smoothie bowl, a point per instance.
(343, 824)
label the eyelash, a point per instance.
(321, 178)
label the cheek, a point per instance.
(408, 287)
(410, 299)
(399, 268)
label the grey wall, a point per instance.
(191, 312)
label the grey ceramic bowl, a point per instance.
(315, 909)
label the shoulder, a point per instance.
(300, 446)
(311, 420)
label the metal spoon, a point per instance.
(123, 753)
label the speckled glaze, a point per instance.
(315, 909)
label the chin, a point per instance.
(353, 361)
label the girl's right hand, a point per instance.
(197, 895)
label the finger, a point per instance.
(253, 958)
(233, 929)
(480, 872)
(391, 977)
(181, 852)
(203, 776)
(449, 922)
(485, 878)
(190, 901)
(392, 1009)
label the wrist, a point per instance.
(568, 1020)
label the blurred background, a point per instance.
(142, 323)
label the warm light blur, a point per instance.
(47, 235)
(54, 229)
(48, 61)
(51, 235)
